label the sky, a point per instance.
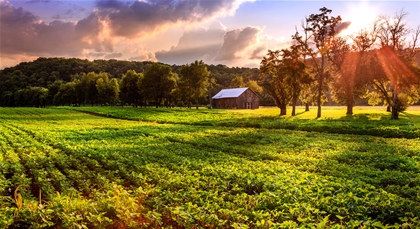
(236, 33)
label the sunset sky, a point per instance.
(230, 32)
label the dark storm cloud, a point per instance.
(24, 33)
(236, 41)
(139, 17)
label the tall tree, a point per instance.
(53, 89)
(395, 56)
(194, 81)
(88, 83)
(274, 80)
(295, 70)
(348, 65)
(108, 90)
(158, 83)
(67, 94)
(130, 88)
(321, 29)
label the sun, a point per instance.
(361, 16)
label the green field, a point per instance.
(178, 168)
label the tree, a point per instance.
(88, 84)
(395, 56)
(347, 65)
(253, 85)
(130, 88)
(321, 29)
(158, 83)
(108, 90)
(237, 82)
(295, 70)
(53, 89)
(194, 81)
(66, 95)
(274, 80)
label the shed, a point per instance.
(236, 98)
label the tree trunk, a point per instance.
(283, 110)
(394, 114)
(388, 108)
(320, 80)
(307, 107)
(319, 99)
(349, 109)
(294, 107)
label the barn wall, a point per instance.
(247, 100)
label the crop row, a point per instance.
(159, 175)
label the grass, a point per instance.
(364, 121)
(185, 168)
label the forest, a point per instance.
(61, 81)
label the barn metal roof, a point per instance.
(230, 93)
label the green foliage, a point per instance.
(158, 83)
(52, 73)
(130, 88)
(274, 79)
(98, 172)
(237, 82)
(108, 90)
(194, 82)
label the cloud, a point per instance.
(216, 44)
(24, 33)
(137, 53)
(38, 1)
(113, 55)
(342, 26)
(70, 13)
(110, 23)
(148, 17)
(237, 41)
(259, 52)
(195, 44)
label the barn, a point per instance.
(236, 98)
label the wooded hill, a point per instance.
(39, 77)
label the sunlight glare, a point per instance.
(360, 16)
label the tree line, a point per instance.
(377, 64)
(61, 81)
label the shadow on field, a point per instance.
(384, 164)
(413, 118)
(375, 161)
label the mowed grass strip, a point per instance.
(183, 175)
